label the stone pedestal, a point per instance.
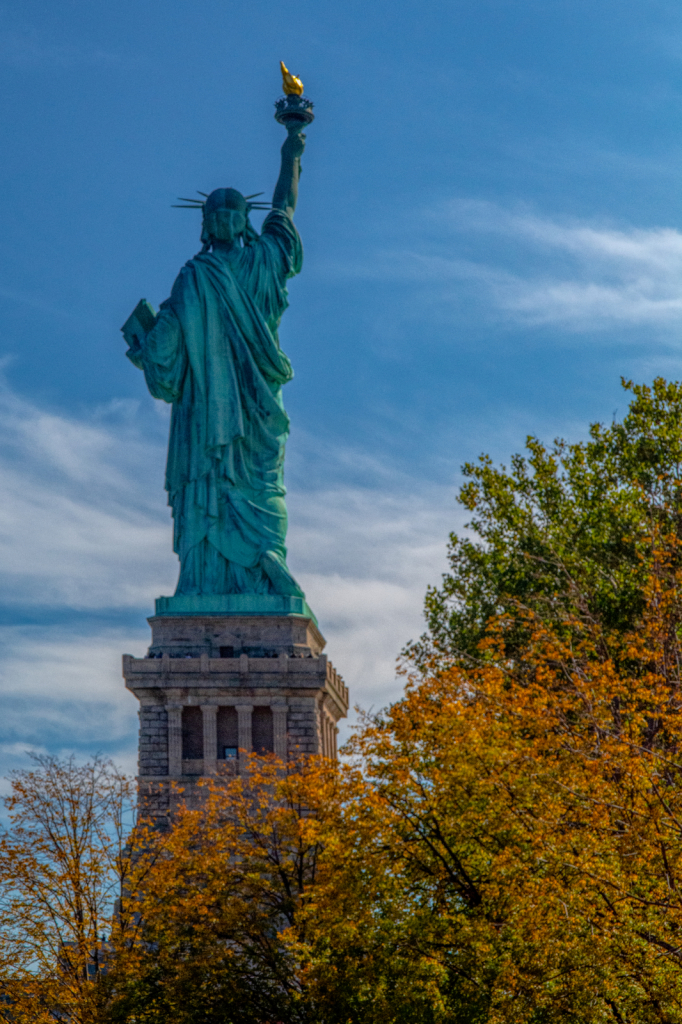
(215, 686)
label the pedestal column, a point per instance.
(210, 713)
(244, 712)
(279, 729)
(174, 740)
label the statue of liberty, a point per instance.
(213, 353)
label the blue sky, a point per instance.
(490, 210)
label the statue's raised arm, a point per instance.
(285, 195)
(213, 353)
(294, 111)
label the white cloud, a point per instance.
(538, 270)
(62, 691)
(77, 525)
(68, 681)
(365, 559)
(631, 276)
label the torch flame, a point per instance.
(291, 84)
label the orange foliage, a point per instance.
(535, 807)
(65, 862)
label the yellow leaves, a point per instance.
(534, 808)
(62, 861)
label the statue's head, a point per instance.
(225, 216)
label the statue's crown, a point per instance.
(222, 199)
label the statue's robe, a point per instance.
(214, 353)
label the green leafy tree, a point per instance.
(563, 532)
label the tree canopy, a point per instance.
(564, 531)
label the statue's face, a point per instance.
(226, 225)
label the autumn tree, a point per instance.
(526, 789)
(261, 908)
(533, 814)
(222, 907)
(65, 861)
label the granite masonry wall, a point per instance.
(239, 664)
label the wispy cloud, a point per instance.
(62, 692)
(614, 275)
(538, 270)
(77, 526)
(365, 558)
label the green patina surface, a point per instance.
(213, 352)
(233, 604)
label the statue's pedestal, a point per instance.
(216, 685)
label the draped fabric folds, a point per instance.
(214, 354)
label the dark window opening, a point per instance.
(228, 732)
(192, 733)
(261, 731)
(229, 753)
(227, 652)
